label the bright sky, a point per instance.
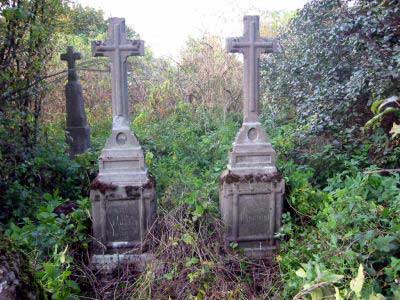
(165, 25)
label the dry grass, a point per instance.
(192, 262)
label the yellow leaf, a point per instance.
(301, 273)
(337, 294)
(395, 131)
(357, 283)
(317, 294)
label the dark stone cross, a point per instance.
(251, 45)
(78, 137)
(70, 57)
(118, 48)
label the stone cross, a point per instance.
(118, 48)
(70, 57)
(251, 45)
(251, 188)
(123, 194)
(78, 131)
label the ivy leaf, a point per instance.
(188, 239)
(357, 283)
(385, 243)
(332, 278)
(375, 106)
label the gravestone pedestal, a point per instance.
(251, 189)
(123, 202)
(251, 192)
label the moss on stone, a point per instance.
(17, 276)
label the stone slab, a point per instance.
(107, 264)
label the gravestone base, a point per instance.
(122, 215)
(107, 264)
(251, 207)
(78, 139)
(112, 268)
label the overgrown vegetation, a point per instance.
(340, 239)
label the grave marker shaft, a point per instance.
(78, 132)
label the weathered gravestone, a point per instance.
(78, 132)
(251, 188)
(123, 194)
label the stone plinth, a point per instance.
(123, 198)
(251, 193)
(251, 208)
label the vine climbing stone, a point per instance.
(78, 132)
(251, 188)
(123, 194)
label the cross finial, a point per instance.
(251, 45)
(118, 48)
(70, 57)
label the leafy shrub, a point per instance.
(337, 57)
(357, 224)
(48, 169)
(44, 235)
(186, 150)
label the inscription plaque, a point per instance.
(255, 215)
(121, 164)
(123, 220)
(253, 159)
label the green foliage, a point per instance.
(55, 277)
(186, 150)
(357, 224)
(26, 31)
(48, 169)
(336, 58)
(47, 232)
(340, 237)
(86, 22)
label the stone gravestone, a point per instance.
(251, 188)
(78, 132)
(123, 194)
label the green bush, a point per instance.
(42, 237)
(186, 151)
(357, 223)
